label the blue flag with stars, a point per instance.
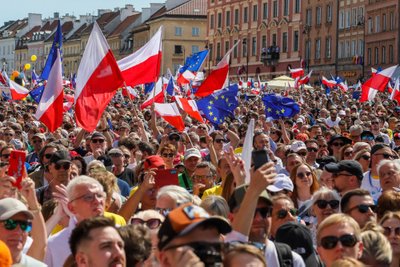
(36, 93)
(194, 62)
(219, 105)
(277, 106)
(57, 43)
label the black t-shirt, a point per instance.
(128, 176)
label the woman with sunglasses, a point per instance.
(391, 229)
(305, 183)
(363, 157)
(346, 152)
(168, 153)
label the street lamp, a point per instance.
(247, 58)
(306, 30)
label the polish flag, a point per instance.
(329, 83)
(156, 95)
(18, 92)
(143, 66)
(304, 80)
(50, 107)
(130, 92)
(170, 113)
(70, 101)
(218, 78)
(296, 72)
(97, 81)
(186, 77)
(373, 72)
(190, 107)
(380, 80)
(2, 79)
(395, 95)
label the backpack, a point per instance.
(285, 256)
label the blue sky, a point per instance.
(20, 8)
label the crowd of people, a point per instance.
(136, 192)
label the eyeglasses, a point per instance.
(366, 157)
(348, 153)
(283, 213)
(264, 212)
(337, 144)
(164, 211)
(368, 138)
(151, 223)
(64, 165)
(322, 203)
(95, 141)
(312, 149)
(363, 208)
(302, 153)
(201, 177)
(115, 155)
(8, 134)
(219, 141)
(168, 155)
(127, 155)
(337, 174)
(385, 155)
(374, 122)
(37, 141)
(11, 224)
(201, 128)
(330, 242)
(302, 175)
(48, 156)
(6, 156)
(387, 231)
(273, 132)
(89, 197)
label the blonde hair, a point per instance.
(376, 248)
(347, 262)
(215, 205)
(339, 218)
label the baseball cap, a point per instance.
(299, 120)
(297, 146)
(115, 151)
(97, 135)
(282, 182)
(184, 219)
(192, 152)
(154, 161)
(238, 195)
(342, 113)
(40, 135)
(174, 135)
(350, 166)
(60, 156)
(298, 237)
(339, 137)
(11, 206)
(377, 147)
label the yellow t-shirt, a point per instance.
(216, 191)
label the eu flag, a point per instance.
(194, 62)
(219, 105)
(277, 106)
(36, 93)
(57, 43)
(148, 87)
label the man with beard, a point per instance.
(347, 175)
(359, 205)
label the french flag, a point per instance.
(190, 107)
(98, 79)
(218, 78)
(143, 66)
(34, 78)
(50, 108)
(296, 72)
(328, 83)
(156, 95)
(18, 92)
(170, 113)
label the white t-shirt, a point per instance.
(332, 123)
(372, 185)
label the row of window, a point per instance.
(317, 49)
(180, 50)
(379, 23)
(9, 49)
(254, 13)
(179, 31)
(318, 15)
(351, 48)
(382, 56)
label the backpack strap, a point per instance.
(285, 256)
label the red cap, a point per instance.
(153, 162)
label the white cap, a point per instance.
(282, 182)
(342, 113)
(299, 120)
(297, 146)
(192, 152)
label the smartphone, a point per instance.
(166, 177)
(259, 157)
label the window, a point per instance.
(341, 50)
(318, 15)
(253, 46)
(318, 49)
(245, 11)
(264, 42)
(228, 18)
(328, 47)
(354, 17)
(348, 18)
(391, 57)
(178, 31)
(275, 9)
(255, 13)
(286, 7)
(370, 25)
(226, 46)
(328, 13)
(383, 54)
(195, 49)
(384, 22)
(195, 31)
(284, 42)
(308, 49)
(219, 22)
(376, 56)
(235, 50)
(360, 47)
(369, 56)
(178, 50)
(236, 16)
(377, 24)
(212, 21)
(341, 19)
(211, 51)
(296, 41)
(274, 39)
(265, 10)
(297, 6)
(218, 51)
(244, 47)
(308, 17)
(353, 48)
(391, 21)
(347, 49)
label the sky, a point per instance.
(21, 8)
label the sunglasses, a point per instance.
(330, 242)
(48, 156)
(11, 224)
(366, 157)
(219, 141)
(374, 122)
(90, 197)
(302, 175)
(37, 141)
(6, 156)
(337, 144)
(264, 212)
(164, 211)
(367, 138)
(363, 208)
(174, 138)
(283, 213)
(387, 231)
(337, 174)
(312, 149)
(302, 153)
(202, 128)
(151, 223)
(115, 155)
(385, 155)
(348, 153)
(322, 204)
(273, 132)
(100, 141)
(65, 166)
(8, 134)
(127, 155)
(168, 155)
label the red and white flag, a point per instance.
(17, 91)
(380, 80)
(395, 94)
(143, 66)
(70, 101)
(218, 78)
(296, 72)
(186, 77)
(190, 107)
(304, 80)
(170, 113)
(3, 80)
(156, 95)
(329, 83)
(50, 108)
(98, 79)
